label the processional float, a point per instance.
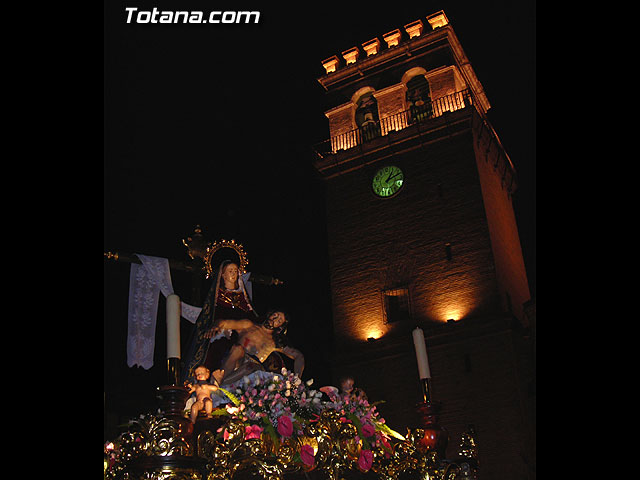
(275, 426)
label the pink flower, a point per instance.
(306, 455)
(386, 446)
(332, 392)
(285, 426)
(366, 460)
(252, 431)
(368, 429)
(225, 434)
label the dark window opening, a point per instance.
(467, 363)
(396, 305)
(447, 250)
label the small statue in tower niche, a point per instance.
(366, 116)
(256, 340)
(418, 99)
(203, 389)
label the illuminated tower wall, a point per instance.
(442, 253)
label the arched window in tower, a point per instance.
(418, 99)
(366, 116)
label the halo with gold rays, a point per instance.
(219, 244)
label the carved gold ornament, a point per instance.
(322, 436)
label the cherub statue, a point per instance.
(203, 390)
(347, 388)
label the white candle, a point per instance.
(421, 353)
(173, 326)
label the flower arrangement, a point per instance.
(372, 431)
(275, 398)
(282, 406)
(273, 424)
(278, 404)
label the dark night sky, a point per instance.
(214, 124)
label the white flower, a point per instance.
(309, 382)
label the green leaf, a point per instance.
(356, 421)
(271, 431)
(230, 396)
(220, 411)
(384, 428)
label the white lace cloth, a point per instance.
(146, 281)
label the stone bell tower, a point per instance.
(422, 232)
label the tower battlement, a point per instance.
(391, 39)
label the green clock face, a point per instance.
(387, 181)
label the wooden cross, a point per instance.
(200, 262)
